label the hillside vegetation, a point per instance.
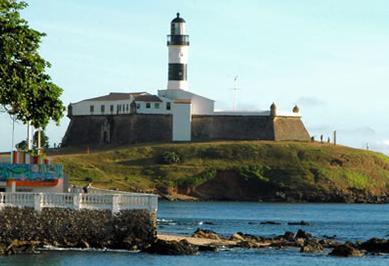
(243, 170)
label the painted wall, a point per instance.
(200, 105)
(83, 108)
(142, 107)
(182, 119)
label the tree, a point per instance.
(44, 140)
(26, 90)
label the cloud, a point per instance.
(310, 101)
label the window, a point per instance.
(118, 108)
(111, 108)
(138, 106)
(123, 107)
(102, 108)
(148, 105)
(92, 109)
(127, 107)
(168, 106)
(156, 105)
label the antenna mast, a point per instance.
(234, 93)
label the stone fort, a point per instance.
(174, 114)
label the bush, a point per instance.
(88, 179)
(170, 157)
(253, 171)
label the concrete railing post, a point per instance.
(38, 202)
(115, 203)
(77, 201)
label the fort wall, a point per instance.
(140, 128)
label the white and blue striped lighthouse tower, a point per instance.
(178, 44)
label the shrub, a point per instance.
(170, 157)
(88, 179)
(253, 171)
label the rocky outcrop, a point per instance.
(24, 228)
(346, 250)
(203, 233)
(182, 247)
(375, 245)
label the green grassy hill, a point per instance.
(242, 170)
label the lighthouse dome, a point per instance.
(178, 19)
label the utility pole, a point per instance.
(29, 138)
(334, 137)
(13, 138)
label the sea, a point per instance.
(343, 221)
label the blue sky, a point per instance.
(329, 57)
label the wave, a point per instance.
(53, 248)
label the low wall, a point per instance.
(127, 229)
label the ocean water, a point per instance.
(346, 221)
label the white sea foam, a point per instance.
(53, 248)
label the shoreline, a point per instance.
(187, 198)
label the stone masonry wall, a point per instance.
(129, 229)
(118, 130)
(141, 128)
(290, 128)
(206, 127)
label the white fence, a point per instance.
(77, 201)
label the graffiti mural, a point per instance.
(38, 172)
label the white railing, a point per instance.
(77, 201)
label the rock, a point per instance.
(345, 250)
(207, 248)
(302, 234)
(290, 236)
(299, 223)
(236, 237)
(376, 245)
(203, 233)
(311, 247)
(17, 247)
(271, 222)
(328, 243)
(163, 247)
(330, 237)
(248, 244)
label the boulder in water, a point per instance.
(203, 233)
(345, 250)
(376, 245)
(163, 247)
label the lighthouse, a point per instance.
(178, 44)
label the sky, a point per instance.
(329, 57)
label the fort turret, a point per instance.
(178, 44)
(273, 110)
